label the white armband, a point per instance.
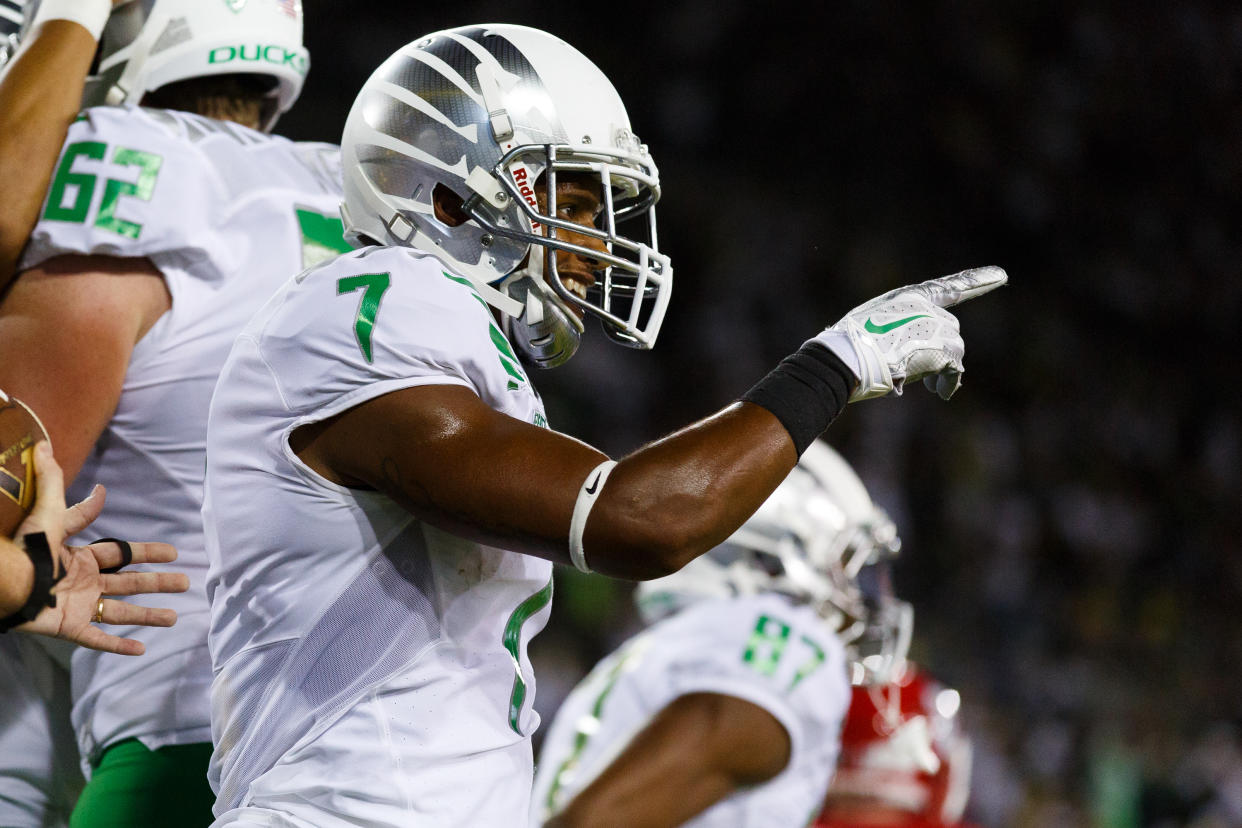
(587, 495)
(91, 14)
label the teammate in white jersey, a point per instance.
(52, 591)
(40, 93)
(164, 231)
(383, 494)
(727, 711)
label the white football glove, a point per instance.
(906, 334)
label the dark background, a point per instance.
(1071, 518)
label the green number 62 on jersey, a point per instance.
(72, 194)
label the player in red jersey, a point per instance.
(905, 760)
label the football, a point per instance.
(20, 429)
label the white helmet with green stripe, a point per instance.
(148, 44)
(820, 540)
(487, 114)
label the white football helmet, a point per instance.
(10, 25)
(490, 112)
(147, 44)
(818, 539)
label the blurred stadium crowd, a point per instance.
(1072, 524)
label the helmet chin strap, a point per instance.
(546, 332)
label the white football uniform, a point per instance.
(39, 775)
(763, 649)
(226, 214)
(370, 669)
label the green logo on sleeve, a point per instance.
(512, 641)
(871, 327)
(604, 677)
(508, 359)
(323, 236)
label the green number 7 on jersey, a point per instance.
(372, 286)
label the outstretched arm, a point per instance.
(458, 464)
(40, 94)
(455, 462)
(694, 753)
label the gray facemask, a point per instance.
(546, 333)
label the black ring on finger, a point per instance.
(127, 555)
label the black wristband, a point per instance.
(806, 392)
(41, 596)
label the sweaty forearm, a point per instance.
(40, 93)
(676, 498)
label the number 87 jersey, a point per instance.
(764, 649)
(366, 664)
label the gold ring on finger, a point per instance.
(98, 619)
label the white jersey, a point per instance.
(226, 214)
(39, 775)
(763, 649)
(370, 669)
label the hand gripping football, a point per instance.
(20, 429)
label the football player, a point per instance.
(50, 590)
(164, 228)
(384, 496)
(40, 94)
(905, 760)
(726, 711)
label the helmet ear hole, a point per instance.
(770, 564)
(448, 206)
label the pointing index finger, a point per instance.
(947, 291)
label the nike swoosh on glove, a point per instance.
(907, 334)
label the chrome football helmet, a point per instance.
(820, 540)
(147, 44)
(492, 113)
(10, 25)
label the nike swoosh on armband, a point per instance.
(871, 327)
(594, 483)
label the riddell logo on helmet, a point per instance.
(273, 53)
(522, 180)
